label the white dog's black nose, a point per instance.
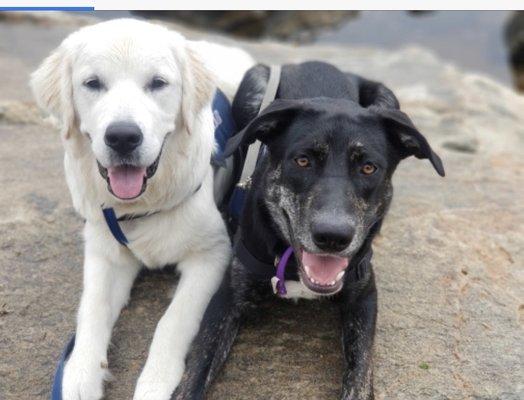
(332, 236)
(123, 137)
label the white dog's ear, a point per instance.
(53, 89)
(198, 86)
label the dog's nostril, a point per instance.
(332, 237)
(331, 242)
(123, 137)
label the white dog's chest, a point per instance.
(167, 237)
(154, 245)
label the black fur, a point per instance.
(340, 122)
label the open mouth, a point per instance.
(322, 273)
(127, 182)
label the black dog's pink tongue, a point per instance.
(126, 181)
(323, 269)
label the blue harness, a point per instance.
(230, 204)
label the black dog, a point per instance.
(322, 188)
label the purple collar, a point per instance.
(281, 270)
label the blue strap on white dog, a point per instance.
(56, 392)
(114, 226)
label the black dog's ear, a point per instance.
(380, 99)
(376, 94)
(407, 136)
(274, 119)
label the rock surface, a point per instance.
(449, 261)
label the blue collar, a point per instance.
(113, 222)
(114, 226)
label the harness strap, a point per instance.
(56, 391)
(113, 222)
(253, 151)
(272, 86)
(114, 226)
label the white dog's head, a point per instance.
(124, 85)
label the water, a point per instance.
(473, 40)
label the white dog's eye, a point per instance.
(94, 84)
(157, 83)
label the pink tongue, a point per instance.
(126, 181)
(323, 269)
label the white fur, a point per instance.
(295, 290)
(188, 231)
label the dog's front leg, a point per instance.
(109, 272)
(201, 275)
(218, 330)
(359, 310)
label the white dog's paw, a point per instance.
(83, 380)
(152, 391)
(158, 384)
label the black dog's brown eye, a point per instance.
(368, 169)
(94, 84)
(157, 83)
(302, 161)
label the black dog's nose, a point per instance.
(123, 137)
(332, 236)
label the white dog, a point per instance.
(133, 100)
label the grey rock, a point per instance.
(449, 261)
(463, 145)
(296, 25)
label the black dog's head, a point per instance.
(327, 179)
